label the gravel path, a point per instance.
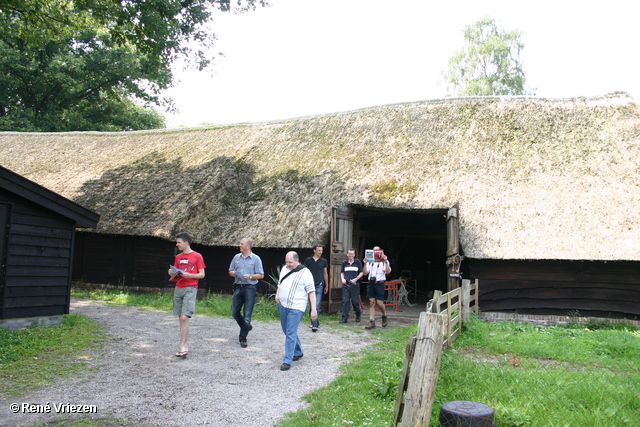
(135, 375)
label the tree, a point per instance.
(488, 64)
(90, 64)
(84, 83)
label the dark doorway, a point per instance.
(414, 240)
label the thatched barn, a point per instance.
(37, 235)
(543, 193)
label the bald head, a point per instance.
(292, 260)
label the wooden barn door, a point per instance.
(341, 241)
(454, 259)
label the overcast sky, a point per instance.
(307, 57)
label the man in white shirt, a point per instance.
(377, 272)
(295, 287)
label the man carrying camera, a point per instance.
(377, 271)
(351, 273)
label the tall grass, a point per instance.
(545, 376)
(531, 375)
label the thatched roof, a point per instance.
(534, 178)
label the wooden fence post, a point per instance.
(465, 299)
(404, 380)
(449, 315)
(435, 303)
(425, 368)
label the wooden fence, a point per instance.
(457, 306)
(437, 329)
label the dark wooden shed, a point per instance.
(36, 251)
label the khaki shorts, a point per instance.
(184, 300)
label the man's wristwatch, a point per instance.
(251, 277)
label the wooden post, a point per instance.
(449, 315)
(465, 299)
(425, 368)
(404, 379)
(435, 303)
(454, 259)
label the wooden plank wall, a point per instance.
(122, 260)
(38, 264)
(593, 288)
(143, 261)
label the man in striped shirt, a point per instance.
(295, 287)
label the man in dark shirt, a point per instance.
(318, 267)
(351, 273)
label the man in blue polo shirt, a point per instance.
(246, 268)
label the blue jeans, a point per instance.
(243, 297)
(319, 290)
(289, 320)
(350, 296)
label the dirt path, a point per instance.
(135, 375)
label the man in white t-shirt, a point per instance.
(295, 287)
(377, 272)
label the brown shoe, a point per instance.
(371, 325)
(285, 367)
(384, 321)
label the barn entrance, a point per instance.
(422, 246)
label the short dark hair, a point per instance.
(317, 246)
(185, 237)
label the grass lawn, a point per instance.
(546, 375)
(35, 357)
